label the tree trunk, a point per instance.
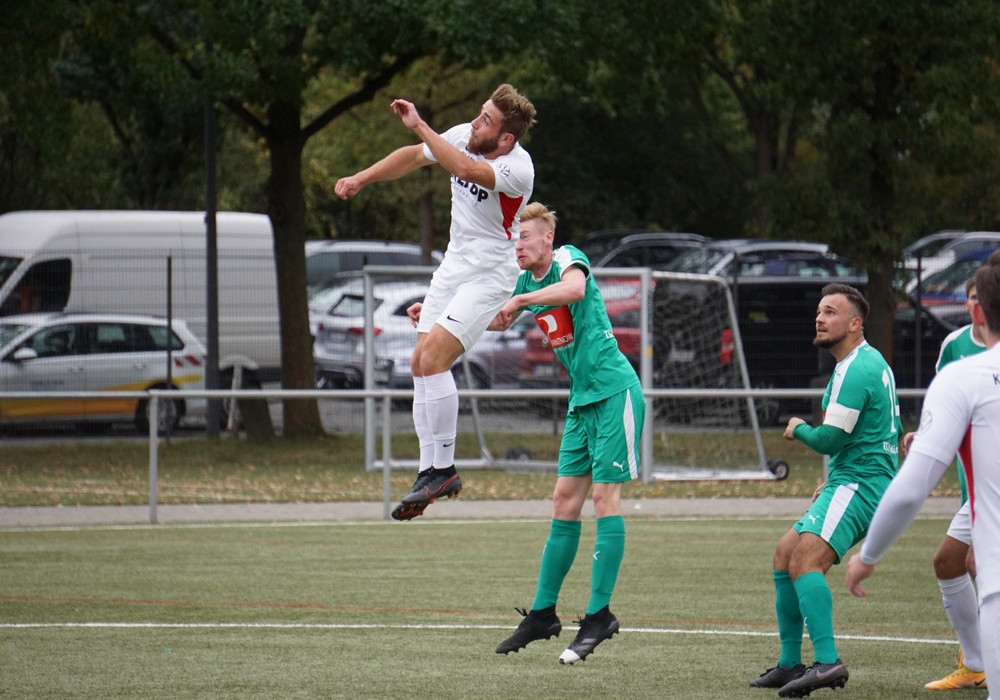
(286, 207)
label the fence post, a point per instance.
(154, 420)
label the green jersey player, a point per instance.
(600, 442)
(860, 433)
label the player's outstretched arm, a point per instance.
(395, 165)
(448, 157)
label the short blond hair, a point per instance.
(537, 210)
(518, 113)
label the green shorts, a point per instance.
(602, 438)
(842, 512)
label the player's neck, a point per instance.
(541, 268)
(846, 346)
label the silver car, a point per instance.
(339, 349)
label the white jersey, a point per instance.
(961, 415)
(484, 223)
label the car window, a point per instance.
(697, 260)
(55, 341)
(110, 338)
(161, 338)
(352, 305)
(626, 257)
(145, 338)
(7, 266)
(401, 309)
(965, 247)
(9, 331)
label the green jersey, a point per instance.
(861, 425)
(580, 333)
(958, 344)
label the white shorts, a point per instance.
(464, 304)
(961, 525)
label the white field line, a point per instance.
(359, 626)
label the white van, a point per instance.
(117, 262)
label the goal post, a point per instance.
(703, 428)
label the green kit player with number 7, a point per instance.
(860, 432)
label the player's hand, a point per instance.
(857, 571)
(347, 187)
(904, 444)
(407, 113)
(970, 561)
(413, 311)
(792, 422)
(818, 490)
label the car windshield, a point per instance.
(697, 260)
(7, 266)
(927, 249)
(9, 331)
(952, 279)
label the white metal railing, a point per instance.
(387, 463)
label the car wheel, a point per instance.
(168, 416)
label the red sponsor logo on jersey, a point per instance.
(557, 325)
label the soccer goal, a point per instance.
(706, 423)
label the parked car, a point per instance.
(740, 258)
(776, 287)
(913, 362)
(936, 254)
(340, 349)
(947, 286)
(328, 258)
(97, 352)
(654, 249)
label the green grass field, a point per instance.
(384, 610)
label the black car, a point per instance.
(653, 249)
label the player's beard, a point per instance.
(827, 341)
(480, 147)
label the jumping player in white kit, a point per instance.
(961, 415)
(492, 177)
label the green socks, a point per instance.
(609, 548)
(560, 551)
(557, 558)
(816, 604)
(790, 623)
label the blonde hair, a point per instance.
(537, 210)
(518, 113)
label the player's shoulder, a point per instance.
(567, 255)
(955, 335)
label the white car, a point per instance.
(330, 258)
(59, 352)
(339, 350)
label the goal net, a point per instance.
(703, 427)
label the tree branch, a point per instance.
(365, 93)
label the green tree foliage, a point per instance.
(899, 98)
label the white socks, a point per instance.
(425, 438)
(962, 607)
(442, 417)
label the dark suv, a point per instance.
(635, 248)
(776, 287)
